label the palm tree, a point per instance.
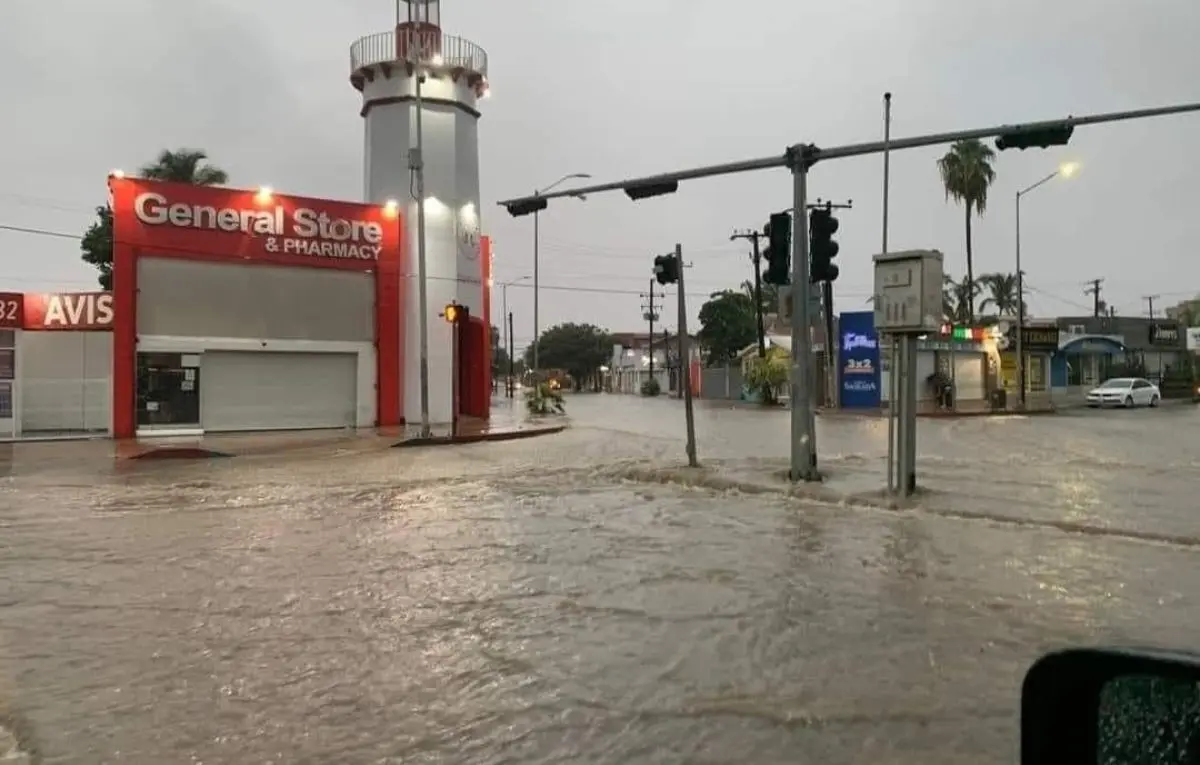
(770, 295)
(184, 166)
(1002, 293)
(967, 175)
(181, 166)
(956, 300)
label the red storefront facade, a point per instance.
(287, 296)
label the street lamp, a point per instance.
(537, 259)
(1066, 170)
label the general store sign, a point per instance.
(56, 311)
(171, 217)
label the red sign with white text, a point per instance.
(68, 311)
(12, 310)
(180, 219)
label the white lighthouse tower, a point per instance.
(439, 115)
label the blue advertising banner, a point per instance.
(858, 357)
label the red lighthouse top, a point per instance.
(421, 13)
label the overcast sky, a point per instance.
(621, 89)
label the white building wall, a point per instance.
(452, 211)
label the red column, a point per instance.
(389, 331)
(485, 265)
(124, 355)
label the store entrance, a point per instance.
(168, 391)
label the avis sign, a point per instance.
(68, 311)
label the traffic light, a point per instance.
(1038, 138)
(666, 269)
(779, 249)
(455, 313)
(821, 228)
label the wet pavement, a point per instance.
(579, 597)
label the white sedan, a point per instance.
(1124, 391)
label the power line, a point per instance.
(461, 280)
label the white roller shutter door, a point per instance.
(277, 391)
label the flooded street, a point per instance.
(561, 599)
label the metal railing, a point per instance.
(455, 52)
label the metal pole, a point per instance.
(893, 367)
(650, 331)
(909, 482)
(417, 161)
(504, 340)
(685, 370)
(512, 383)
(804, 441)
(536, 284)
(758, 306)
(831, 348)
(859, 149)
(1020, 314)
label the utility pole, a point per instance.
(1150, 303)
(651, 315)
(512, 382)
(756, 259)
(1095, 292)
(685, 381)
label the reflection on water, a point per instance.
(529, 602)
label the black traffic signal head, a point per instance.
(666, 269)
(647, 190)
(779, 249)
(1039, 138)
(526, 207)
(822, 249)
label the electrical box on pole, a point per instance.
(908, 292)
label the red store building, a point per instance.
(231, 310)
(239, 310)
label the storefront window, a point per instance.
(6, 401)
(1035, 372)
(168, 393)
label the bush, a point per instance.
(651, 387)
(767, 375)
(543, 399)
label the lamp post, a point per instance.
(1066, 170)
(536, 261)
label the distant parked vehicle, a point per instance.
(1124, 391)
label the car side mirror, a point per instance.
(1111, 707)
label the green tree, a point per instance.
(967, 174)
(726, 326)
(769, 374)
(956, 300)
(181, 166)
(1001, 293)
(578, 349)
(770, 295)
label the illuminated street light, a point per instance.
(1066, 170)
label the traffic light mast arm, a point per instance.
(859, 149)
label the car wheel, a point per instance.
(1154, 401)
(1129, 402)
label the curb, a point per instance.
(477, 438)
(175, 453)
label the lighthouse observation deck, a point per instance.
(457, 56)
